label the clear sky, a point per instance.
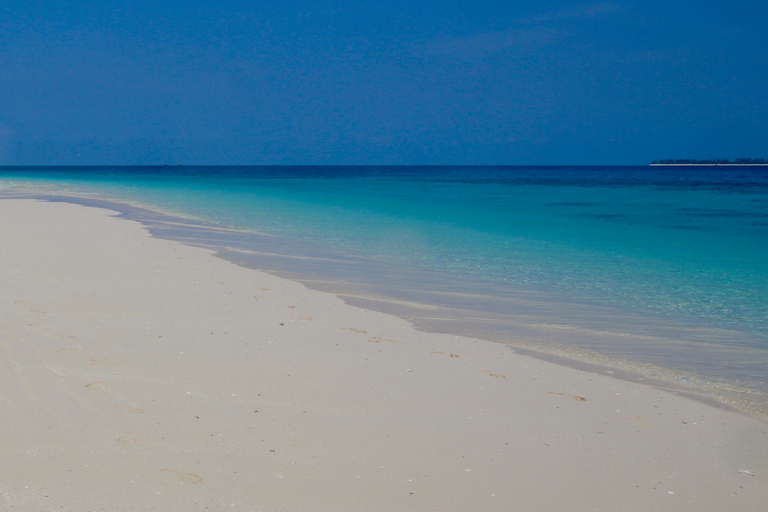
(381, 81)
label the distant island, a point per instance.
(718, 161)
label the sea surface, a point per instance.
(662, 271)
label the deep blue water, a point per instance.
(686, 244)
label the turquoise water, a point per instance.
(685, 247)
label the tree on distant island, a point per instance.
(718, 161)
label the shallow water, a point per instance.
(662, 266)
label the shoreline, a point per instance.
(534, 331)
(142, 373)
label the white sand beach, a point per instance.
(141, 374)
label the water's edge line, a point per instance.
(580, 359)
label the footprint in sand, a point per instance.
(493, 374)
(98, 384)
(572, 397)
(454, 355)
(190, 478)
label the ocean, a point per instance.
(661, 272)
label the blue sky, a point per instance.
(381, 82)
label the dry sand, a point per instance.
(142, 374)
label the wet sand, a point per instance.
(142, 374)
